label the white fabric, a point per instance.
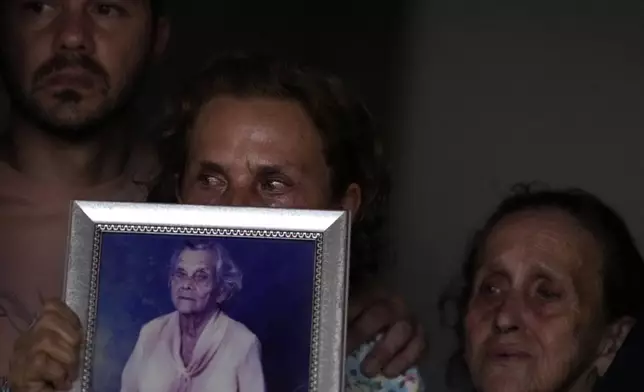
(226, 358)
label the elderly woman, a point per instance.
(553, 285)
(197, 346)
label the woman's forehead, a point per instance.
(547, 240)
(194, 259)
(234, 132)
(223, 117)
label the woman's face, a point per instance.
(533, 319)
(259, 152)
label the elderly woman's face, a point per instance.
(531, 323)
(192, 281)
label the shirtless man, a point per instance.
(71, 68)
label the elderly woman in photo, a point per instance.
(197, 347)
(553, 285)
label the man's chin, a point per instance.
(71, 124)
(72, 131)
(73, 114)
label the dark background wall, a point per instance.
(359, 39)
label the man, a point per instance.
(71, 67)
(197, 347)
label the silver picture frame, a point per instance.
(330, 230)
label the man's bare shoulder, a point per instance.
(16, 189)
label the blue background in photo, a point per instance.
(275, 302)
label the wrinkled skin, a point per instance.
(534, 321)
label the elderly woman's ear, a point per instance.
(612, 341)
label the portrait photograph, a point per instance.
(254, 303)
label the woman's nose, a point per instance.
(244, 197)
(508, 314)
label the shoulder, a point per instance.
(19, 190)
(156, 326)
(239, 333)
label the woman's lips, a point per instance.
(507, 352)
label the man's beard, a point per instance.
(108, 112)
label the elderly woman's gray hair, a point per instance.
(227, 276)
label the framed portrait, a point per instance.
(180, 298)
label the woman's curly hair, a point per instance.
(352, 147)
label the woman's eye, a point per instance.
(274, 186)
(201, 277)
(210, 181)
(489, 289)
(548, 294)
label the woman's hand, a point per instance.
(402, 342)
(46, 357)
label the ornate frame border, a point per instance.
(329, 230)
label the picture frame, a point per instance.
(120, 263)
